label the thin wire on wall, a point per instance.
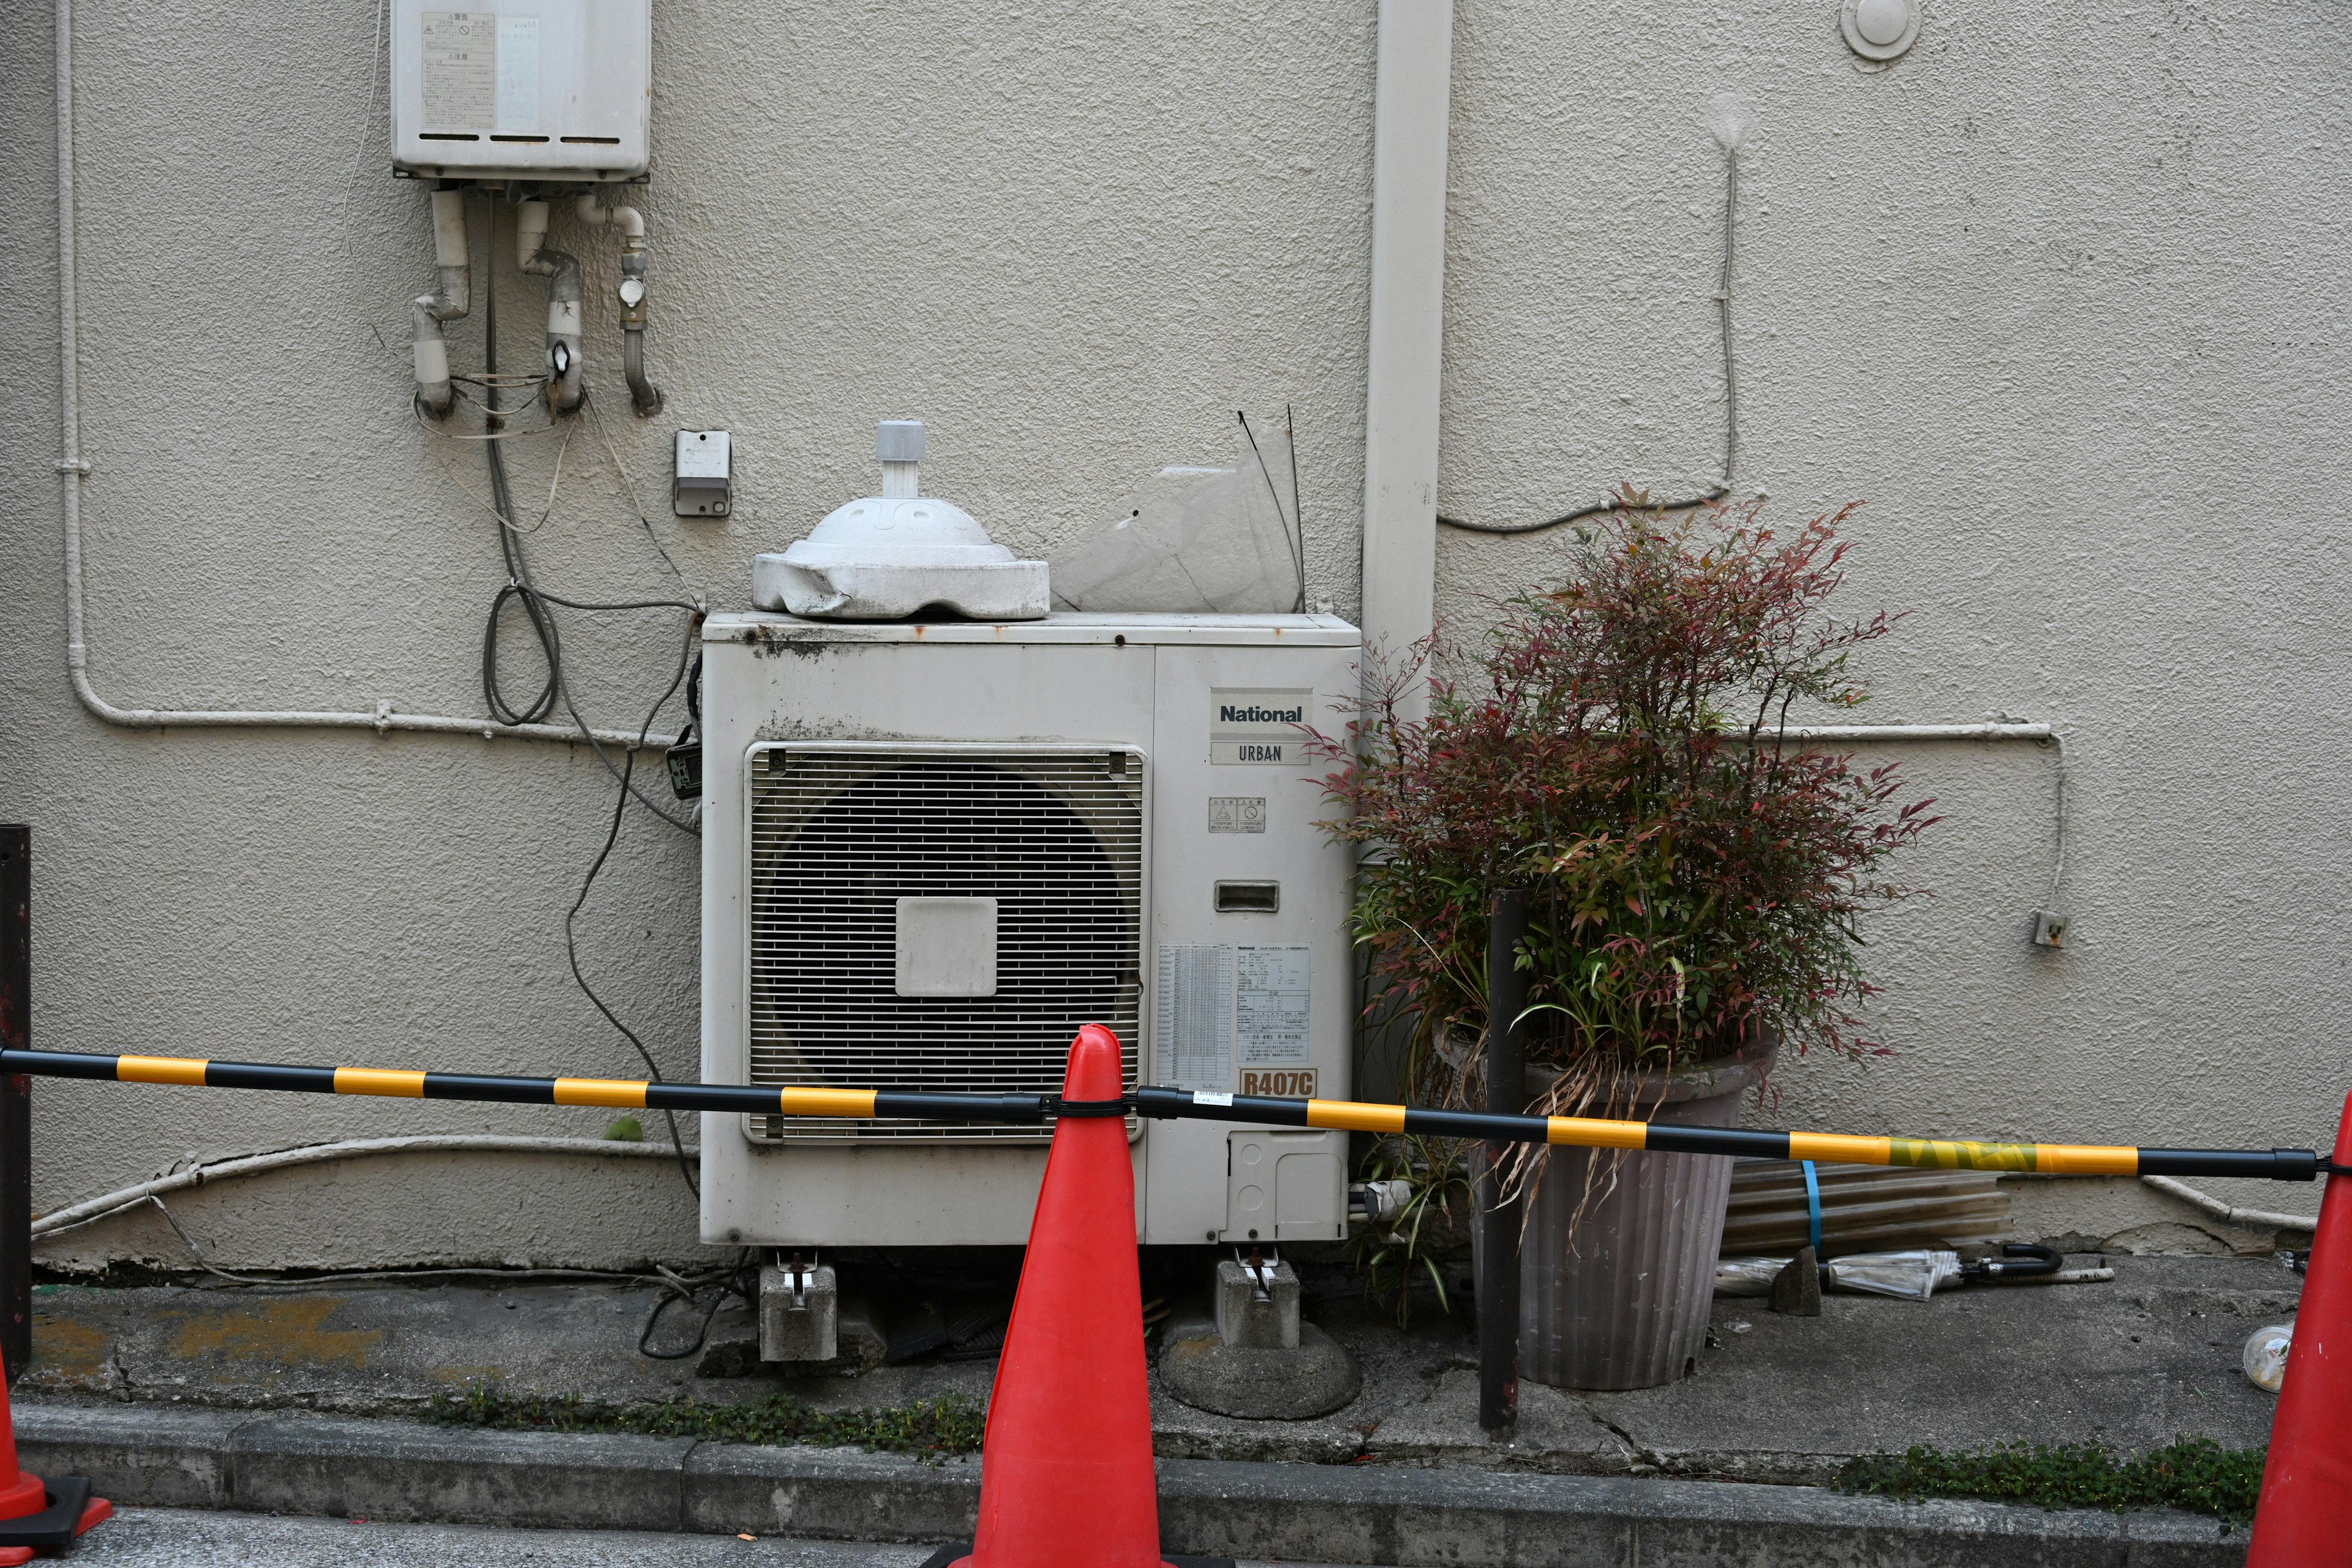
(1291, 535)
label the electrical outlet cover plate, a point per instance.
(704, 485)
(2049, 930)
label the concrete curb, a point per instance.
(273, 1461)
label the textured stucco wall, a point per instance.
(2062, 296)
(2059, 295)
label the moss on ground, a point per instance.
(2195, 1474)
(926, 1426)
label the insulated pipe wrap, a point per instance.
(451, 300)
(566, 365)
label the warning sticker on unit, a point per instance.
(1270, 995)
(1250, 725)
(461, 69)
(1222, 1007)
(1237, 814)
(1193, 1023)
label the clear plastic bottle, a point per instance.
(2265, 1357)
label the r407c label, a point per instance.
(1293, 1083)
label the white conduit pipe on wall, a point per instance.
(72, 469)
(2002, 729)
(91, 1210)
(2251, 1219)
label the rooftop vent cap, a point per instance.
(890, 556)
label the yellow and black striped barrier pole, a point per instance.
(1198, 1105)
(1588, 1132)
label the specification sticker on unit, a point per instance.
(1222, 1007)
(1237, 814)
(1193, 1032)
(461, 69)
(1270, 996)
(1257, 726)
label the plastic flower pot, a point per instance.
(1616, 1277)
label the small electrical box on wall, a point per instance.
(522, 88)
(704, 484)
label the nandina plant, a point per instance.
(1698, 877)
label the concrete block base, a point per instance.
(799, 1314)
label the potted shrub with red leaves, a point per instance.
(1697, 882)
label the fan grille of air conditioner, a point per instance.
(840, 834)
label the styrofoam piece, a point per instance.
(1001, 590)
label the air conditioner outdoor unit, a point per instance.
(932, 849)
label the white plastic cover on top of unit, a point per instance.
(522, 88)
(887, 557)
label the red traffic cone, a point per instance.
(1065, 1466)
(1065, 1474)
(2301, 1522)
(35, 1513)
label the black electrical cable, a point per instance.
(1297, 512)
(622, 604)
(542, 624)
(1620, 504)
(653, 1319)
(521, 588)
(1730, 403)
(623, 774)
(740, 1280)
(612, 837)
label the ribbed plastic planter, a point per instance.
(1618, 1298)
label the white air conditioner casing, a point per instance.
(931, 850)
(522, 88)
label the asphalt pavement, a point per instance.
(196, 1538)
(204, 1537)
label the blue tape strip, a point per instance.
(1812, 1208)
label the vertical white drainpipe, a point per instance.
(1411, 110)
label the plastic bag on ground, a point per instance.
(1747, 1276)
(1203, 540)
(1913, 1276)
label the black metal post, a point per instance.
(16, 1099)
(1499, 1221)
